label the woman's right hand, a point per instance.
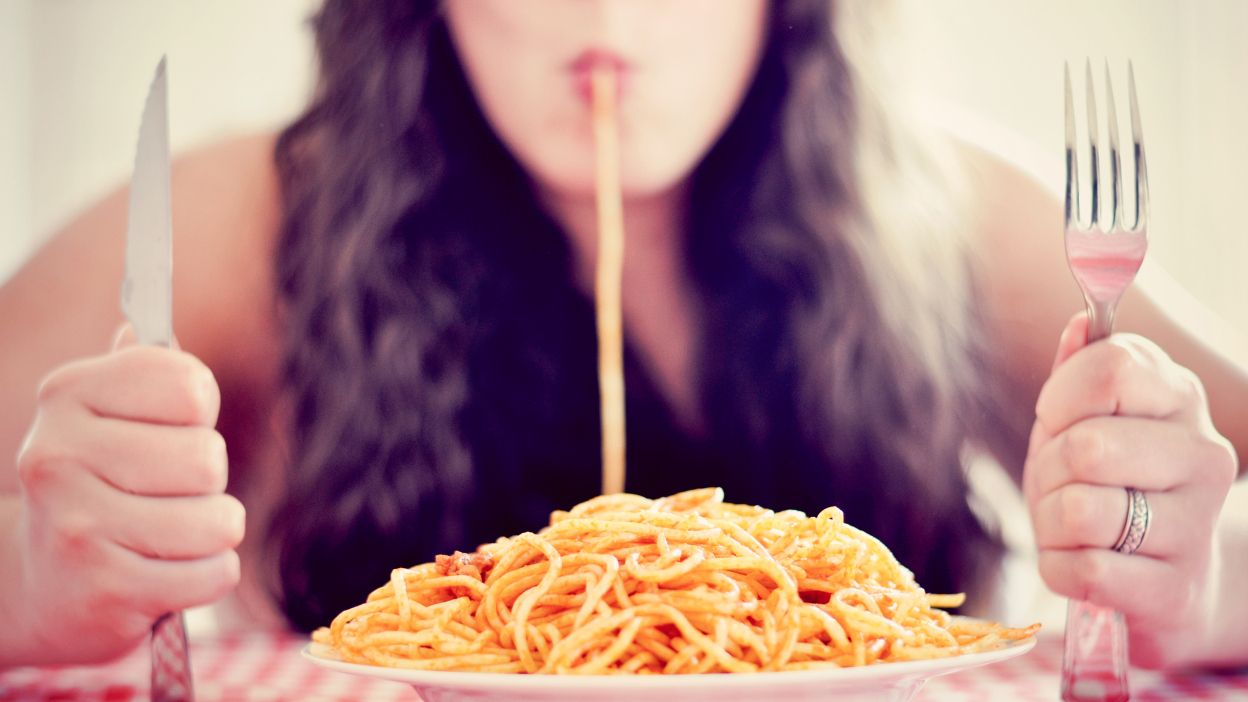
(124, 514)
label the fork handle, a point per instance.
(1094, 662)
(1094, 659)
(1100, 318)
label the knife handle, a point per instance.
(171, 660)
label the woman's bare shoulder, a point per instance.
(1019, 255)
(227, 214)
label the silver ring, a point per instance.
(1139, 517)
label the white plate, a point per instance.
(886, 682)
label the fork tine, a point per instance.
(1141, 168)
(1115, 163)
(1072, 163)
(1093, 130)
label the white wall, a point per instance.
(1004, 60)
(16, 199)
(73, 74)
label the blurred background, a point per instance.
(74, 73)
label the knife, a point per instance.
(147, 301)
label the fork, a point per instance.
(1104, 262)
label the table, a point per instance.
(268, 668)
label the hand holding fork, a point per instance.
(1125, 473)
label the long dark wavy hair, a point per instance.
(440, 361)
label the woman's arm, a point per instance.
(112, 475)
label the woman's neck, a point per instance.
(661, 315)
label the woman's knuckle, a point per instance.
(1077, 512)
(74, 536)
(196, 388)
(233, 520)
(210, 464)
(1220, 463)
(1095, 573)
(1084, 449)
(1119, 361)
(58, 383)
(40, 467)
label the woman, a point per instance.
(387, 310)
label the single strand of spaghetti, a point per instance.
(613, 652)
(634, 569)
(398, 579)
(660, 649)
(609, 542)
(593, 595)
(421, 571)
(870, 623)
(446, 581)
(442, 663)
(689, 603)
(720, 636)
(852, 592)
(457, 606)
(836, 632)
(682, 658)
(937, 634)
(664, 547)
(392, 638)
(354, 613)
(947, 601)
(966, 626)
(742, 537)
(607, 501)
(748, 637)
(514, 555)
(580, 654)
(787, 641)
(559, 618)
(525, 602)
(781, 577)
(607, 279)
(781, 546)
(637, 661)
(538, 640)
(706, 665)
(877, 649)
(552, 633)
(589, 525)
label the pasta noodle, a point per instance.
(682, 584)
(607, 305)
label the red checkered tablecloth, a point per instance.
(268, 668)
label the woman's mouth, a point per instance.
(583, 67)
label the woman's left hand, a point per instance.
(1116, 414)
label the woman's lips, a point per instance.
(583, 67)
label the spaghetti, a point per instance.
(607, 280)
(683, 584)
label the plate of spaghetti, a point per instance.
(624, 597)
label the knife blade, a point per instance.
(147, 301)
(147, 293)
